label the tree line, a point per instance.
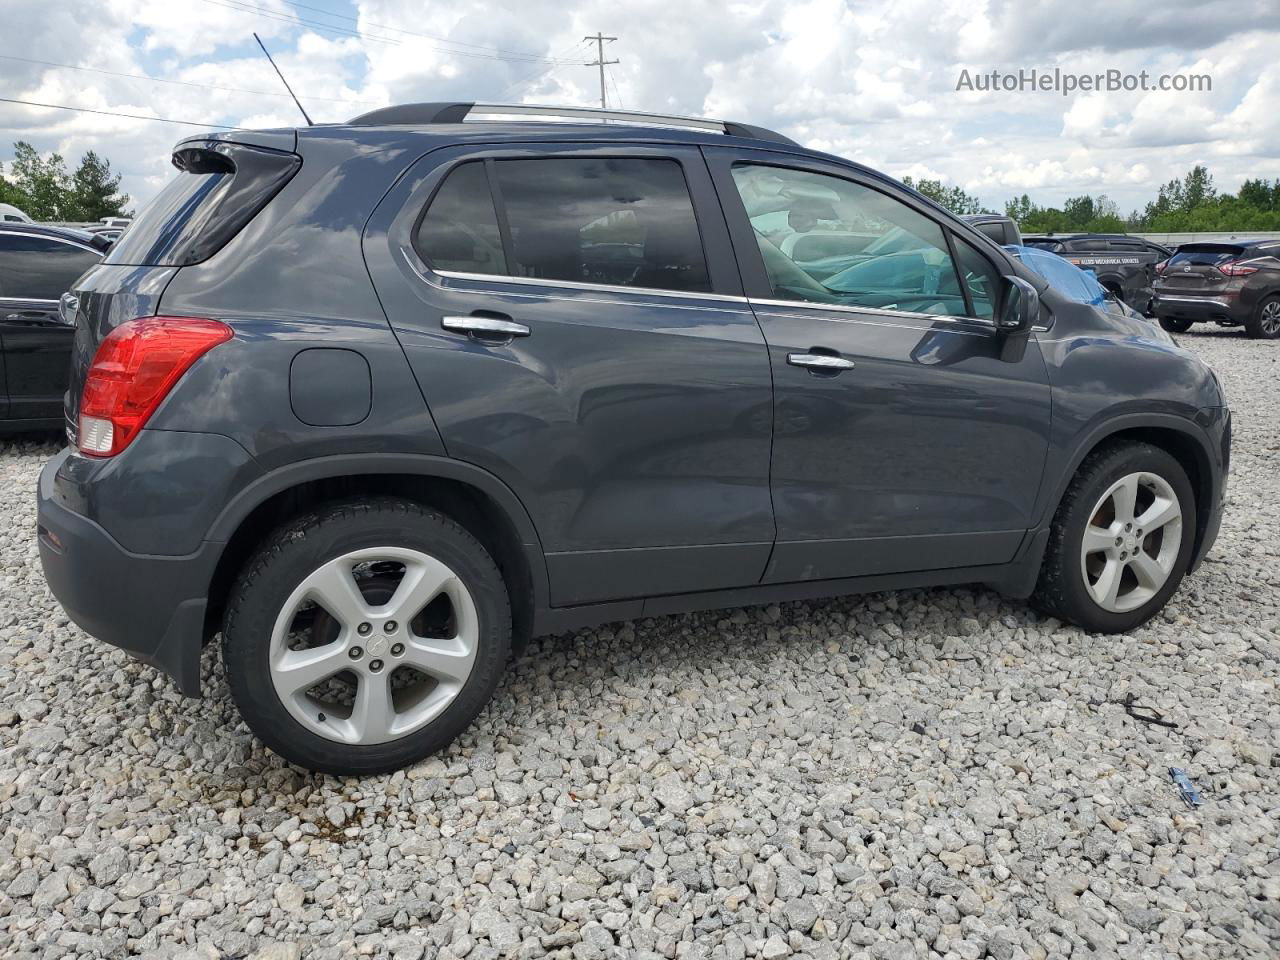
(1191, 204)
(42, 188)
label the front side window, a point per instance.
(459, 230)
(40, 268)
(619, 221)
(828, 240)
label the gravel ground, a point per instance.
(882, 776)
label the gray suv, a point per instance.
(381, 400)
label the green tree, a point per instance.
(95, 190)
(42, 183)
(953, 198)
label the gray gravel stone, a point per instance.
(932, 772)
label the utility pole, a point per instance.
(600, 61)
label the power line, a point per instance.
(184, 83)
(415, 33)
(539, 74)
(113, 113)
(617, 95)
(243, 6)
(601, 62)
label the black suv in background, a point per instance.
(1232, 284)
(999, 228)
(378, 401)
(38, 264)
(1125, 266)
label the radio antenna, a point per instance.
(284, 81)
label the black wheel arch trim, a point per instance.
(1099, 432)
(300, 472)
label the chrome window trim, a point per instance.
(26, 300)
(430, 278)
(580, 285)
(49, 236)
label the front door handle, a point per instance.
(821, 362)
(486, 328)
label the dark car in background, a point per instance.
(38, 264)
(378, 401)
(1234, 284)
(999, 228)
(1124, 265)
(1078, 284)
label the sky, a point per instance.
(872, 80)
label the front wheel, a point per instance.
(365, 636)
(1121, 540)
(1265, 322)
(1176, 324)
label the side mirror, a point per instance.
(1019, 306)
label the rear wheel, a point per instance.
(1265, 322)
(1176, 324)
(1121, 540)
(366, 636)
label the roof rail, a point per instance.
(429, 113)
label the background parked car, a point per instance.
(999, 228)
(1124, 265)
(1080, 285)
(38, 264)
(11, 214)
(1232, 284)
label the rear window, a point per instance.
(1205, 254)
(219, 188)
(993, 229)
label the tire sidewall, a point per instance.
(1175, 325)
(1145, 459)
(302, 547)
(1255, 329)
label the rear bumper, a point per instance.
(152, 607)
(1202, 309)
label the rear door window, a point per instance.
(459, 230)
(616, 221)
(40, 268)
(219, 188)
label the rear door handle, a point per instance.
(490, 328)
(822, 362)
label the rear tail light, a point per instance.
(1161, 265)
(135, 367)
(1234, 268)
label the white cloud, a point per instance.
(874, 81)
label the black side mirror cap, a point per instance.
(1019, 306)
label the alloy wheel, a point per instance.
(1271, 318)
(1131, 542)
(374, 645)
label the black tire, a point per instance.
(302, 545)
(1061, 590)
(1264, 323)
(1176, 324)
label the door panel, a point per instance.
(37, 358)
(923, 449)
(926, 454)
(633, 424)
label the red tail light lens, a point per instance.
(1234, 268)
(1161, 265)
(135, 367)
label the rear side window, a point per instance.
(625, 222)
(40, 268)
(459, 230)
(219, 188)
(994, 230)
